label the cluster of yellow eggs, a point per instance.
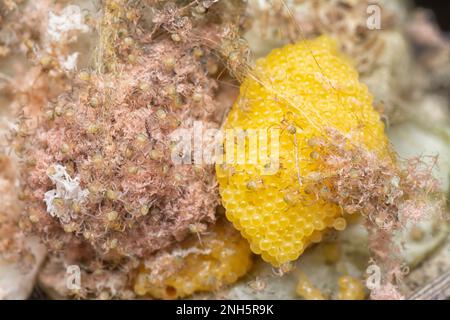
(299, 91)
(306, 290)
(218, 258)
(351, 288)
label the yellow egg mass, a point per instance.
(299, 91)
(217, 259)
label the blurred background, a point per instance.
(441, 10)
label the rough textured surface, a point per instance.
(383, 57)
(97, 167)
(119, 150)
(100, 187)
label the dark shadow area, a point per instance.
(441, 9)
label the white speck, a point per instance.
(71, 18)
(69, 63)
(66, 189)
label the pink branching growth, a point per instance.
(97, 165)
(113, 138)
(389, 194)
(98, 182)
